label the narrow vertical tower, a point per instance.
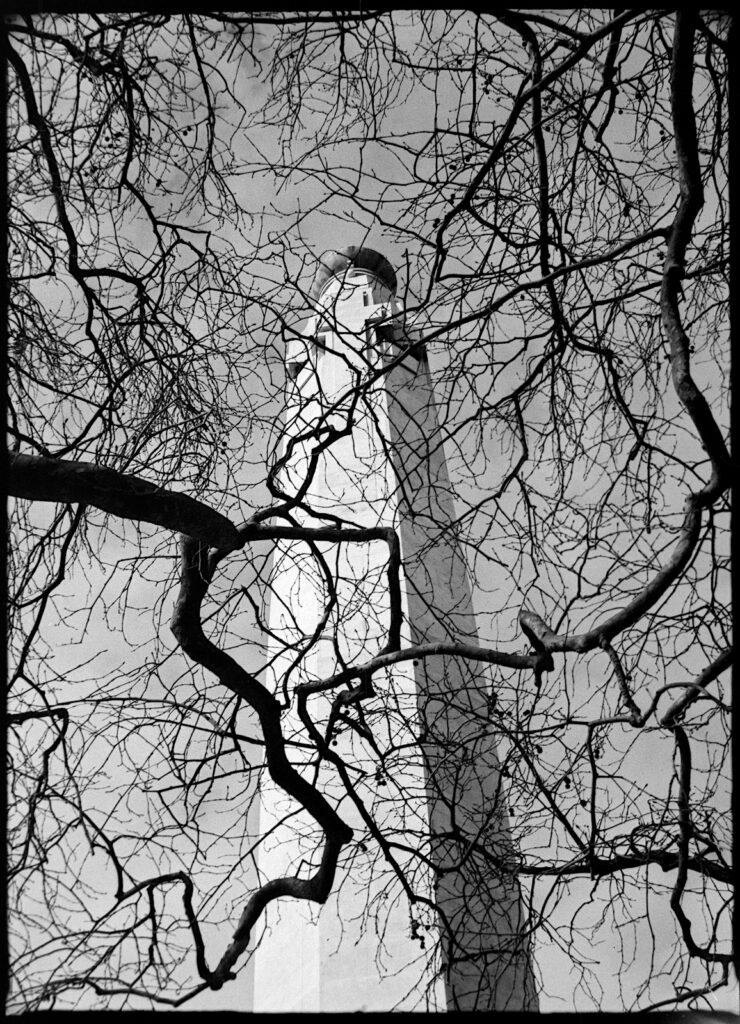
(434, 787)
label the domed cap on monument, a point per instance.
(335, 264)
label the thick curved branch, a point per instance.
(43, 479)
(534, 662)
(633, 612)
(697, 688)
(691, 199)
(599, 867)
(683, 749)
(186, 625)
(187, 900)
(316, 889)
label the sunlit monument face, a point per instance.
(377, 944)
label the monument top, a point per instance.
(336, 264)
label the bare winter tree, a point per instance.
(551, 188)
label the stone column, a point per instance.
(390, 472)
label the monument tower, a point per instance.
(437, 796)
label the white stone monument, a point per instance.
(437, 795)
